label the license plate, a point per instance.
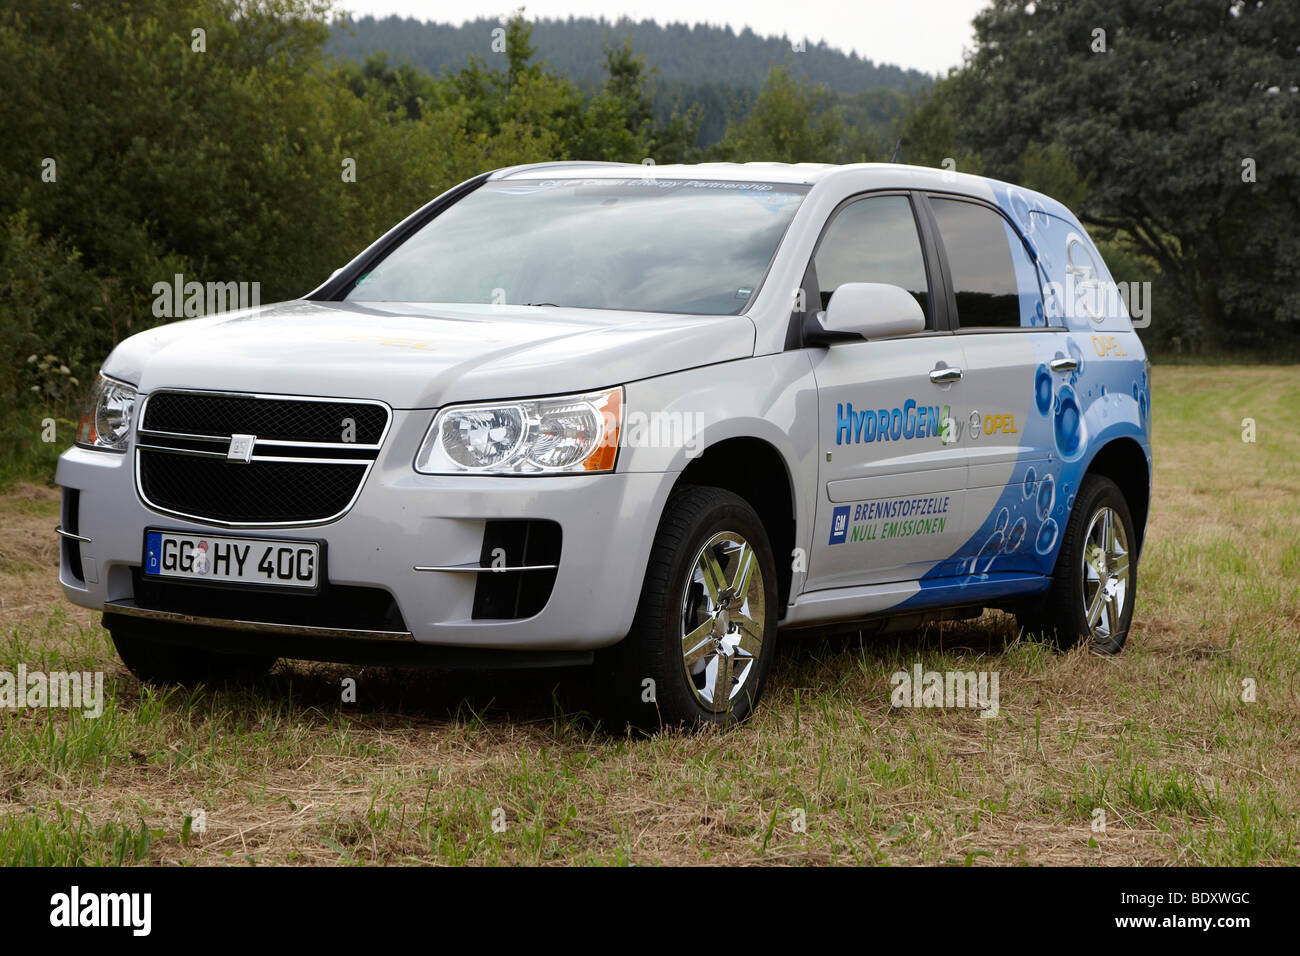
(224, 560)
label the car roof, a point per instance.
(852, 177)
(794, 173)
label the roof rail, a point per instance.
(528, 167)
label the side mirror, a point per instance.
(868, 310)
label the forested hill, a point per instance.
(688, 55)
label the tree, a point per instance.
(1185, 118)
(930, 129)
(790, 123)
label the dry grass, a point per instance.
(1186, 771)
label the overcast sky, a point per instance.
(923, 34)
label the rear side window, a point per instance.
(994, 279)
(874, 240)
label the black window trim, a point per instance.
(923, 197)
(336, 288)
(796, 336)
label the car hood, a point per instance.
(413, 355)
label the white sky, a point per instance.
(926, 35)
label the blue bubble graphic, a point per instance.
(1016, 536)
(991, 549)
(1069, 423)
(1043, 389)
(1046, 497)
(1004, 516)
(1046, 539)
(1031, 479)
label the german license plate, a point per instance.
(225, 560)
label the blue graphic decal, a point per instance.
(1072, 415)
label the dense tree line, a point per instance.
(715, 68)
(219, 139)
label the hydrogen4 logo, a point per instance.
(915, 421)
(888, 424)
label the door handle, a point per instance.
(945, 376)
(1064, 364)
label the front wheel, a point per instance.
(704, 634)
(1093, 588)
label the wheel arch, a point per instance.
(757, 472)
(1124, 461)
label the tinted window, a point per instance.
(639, 244)
(985, 257)
(874, 240)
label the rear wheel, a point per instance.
(1093, 588)
(704, 634)
(160, 662)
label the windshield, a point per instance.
(641, 244)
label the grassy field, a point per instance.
(470, 769)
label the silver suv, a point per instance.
(633, 417)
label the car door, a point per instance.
(1002, 421)
(889, 486)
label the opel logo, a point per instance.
(241, 449)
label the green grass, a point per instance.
(64, 837)
(420, 769)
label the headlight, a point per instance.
(106, 419)
(544, 436)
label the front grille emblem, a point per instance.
(197, 456)
(241, 449)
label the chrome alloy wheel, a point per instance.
(1105, 574)
(723, 614)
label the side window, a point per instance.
(874, 240)
(993, 277)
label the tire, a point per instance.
(1094, 585)
(161, 662)
(733, 639)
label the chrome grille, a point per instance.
(292, 460)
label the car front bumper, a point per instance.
(400, 521)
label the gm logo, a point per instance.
(839, 524)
